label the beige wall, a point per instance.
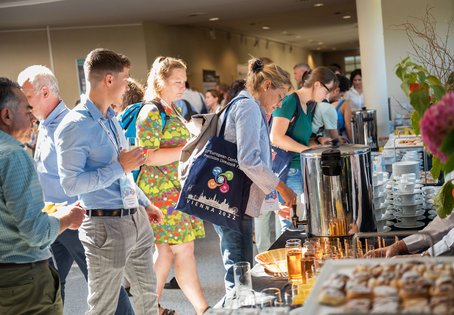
(23, 48)
(222, 54)
(397, 45)
(142, 44)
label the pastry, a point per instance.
(385, 306)
(416, 306)
(359, 291)
(413, 292)
(384, 291)
(358, 306)
(333, 297)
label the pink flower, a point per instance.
(437, 122)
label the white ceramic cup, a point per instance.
(405, 199)
(409, 177)
(428, 190)
(407, 210)
(406, 186)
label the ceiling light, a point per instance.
(298, 36)
(318, 4)
(320, 43)
(214, 19)
(12, 4)
(318, 48)
(196, 14)
(266, 27)
(345, 17)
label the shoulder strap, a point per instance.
(226, 109)
(162, 112)
(128, 117)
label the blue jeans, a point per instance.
(235, 247)
(66, 249)
(295, 182)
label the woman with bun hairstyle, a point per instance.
(317, 85)
(247, 126)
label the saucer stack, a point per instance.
(428, 194)
(379, 182)
(405, 167)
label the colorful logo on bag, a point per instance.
(220, 180)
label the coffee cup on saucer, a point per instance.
(405, 198)
(407, 210)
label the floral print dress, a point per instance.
(160, 183)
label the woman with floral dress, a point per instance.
(163, 139)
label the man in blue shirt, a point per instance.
(28, 285)
(40, 86)
(94, 165)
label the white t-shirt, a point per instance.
(356, 99)
(325, 116)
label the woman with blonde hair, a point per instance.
(158, 178)
(247, 126)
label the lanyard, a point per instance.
(115, 141)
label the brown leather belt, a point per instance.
(110, 212)
(31, 264)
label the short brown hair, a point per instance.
(100, 62)
(259, 72)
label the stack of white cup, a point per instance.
(408, 202)
(379, 181)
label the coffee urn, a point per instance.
(364, 128)
(337, 190)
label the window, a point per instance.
(352, 63)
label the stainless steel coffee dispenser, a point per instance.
(337, 190)
(364, 128)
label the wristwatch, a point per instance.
(425, 253)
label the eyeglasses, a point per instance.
(324, 85)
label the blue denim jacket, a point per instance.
(247, 126)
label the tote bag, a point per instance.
(216, 189)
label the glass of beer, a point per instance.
(294, 254)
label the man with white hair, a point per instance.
(299, 70)
(40, 86)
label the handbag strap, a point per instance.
(226, 109)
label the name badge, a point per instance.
(271, 202)
(128, 192)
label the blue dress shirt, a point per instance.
(26, 232)
(46, 157)
(88, 145)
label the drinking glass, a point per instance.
(133, 142)
(242, 276)
(276, 310)
(270, 297)
(245, 299)
(294, 254)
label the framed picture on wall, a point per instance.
(81, 76)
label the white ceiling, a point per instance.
(296, 22)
